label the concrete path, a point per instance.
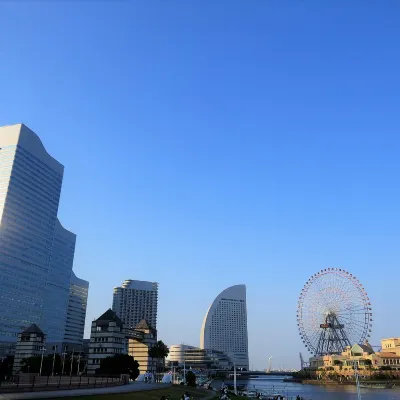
(131, 387)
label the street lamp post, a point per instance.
(234, 379)
(63, 364)
(72, 361)
(184, 366)
(54, 359)
(41, 360)
(357, 380)
(79, 362)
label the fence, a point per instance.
(31, 383)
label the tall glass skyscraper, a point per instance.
(36, 252)
(136, 300)
(76, 312)
(225, 326)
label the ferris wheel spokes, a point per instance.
(334, 311)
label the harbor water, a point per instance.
(313, 392)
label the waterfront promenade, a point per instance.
(131, 387)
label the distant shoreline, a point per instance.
(345, 383)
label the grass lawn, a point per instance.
(175, 392)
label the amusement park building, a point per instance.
(362, 355)
(391, 345)
(224, 327)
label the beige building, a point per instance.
(391, 345)
(363, 356)
(107, 338)
(110, 336)
(140, 341)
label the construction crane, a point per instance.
(303, 363)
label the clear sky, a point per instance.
(211, 143)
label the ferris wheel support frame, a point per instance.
(333, 338)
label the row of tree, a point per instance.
(62, 364)
(53, 364)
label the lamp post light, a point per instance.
(64, 354)
(79, 362)
(184, 366)
(43, 349)
(72, 361)
(234, 379)
(357, 380)
(54, 359)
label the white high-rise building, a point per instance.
(136, 300)
(36, 252)
(225, 326)
(177, 353)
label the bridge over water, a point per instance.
(253, 374)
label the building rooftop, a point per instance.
(367, 348)
(139, 285)
(143, 324)
(33, 329)
(385, 354)
(109, 316)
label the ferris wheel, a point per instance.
(333, 311)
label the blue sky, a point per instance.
(210, 143)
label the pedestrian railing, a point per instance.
(29, 383)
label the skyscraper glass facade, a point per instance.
(36, 252)
(76, 311)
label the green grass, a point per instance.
(175, 392)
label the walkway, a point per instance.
(131, 387)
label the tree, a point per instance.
(6, 367)
(120, 364)
(32, 365)
(368, 364)
(158, 352)
(191, 379)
